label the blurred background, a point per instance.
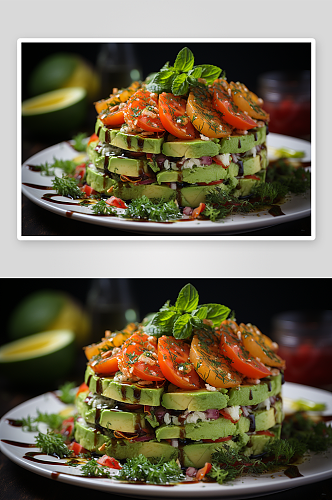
(100, 67)
(88, 307)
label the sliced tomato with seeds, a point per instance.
(209, 362)
(232, 347)
(106, 364)
(248, 101)
(173, 356)
(142, 112)
(203, 115)
(172, 112)
(224, 103)
(260, 346)
(139, 358)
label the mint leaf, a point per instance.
(180, 85)
(184, 60)
(187, 299)
(162, 323)
(196, 72)
(216, 313)
(209, 72)
(182, 328)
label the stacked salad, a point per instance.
(186, 383)
(181, 133)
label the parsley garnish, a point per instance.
(159, 211)
(67, 392)
(52, 444)
(141, 469)
(67, 186)
(79, 142)
(93, 469)
(103, 208)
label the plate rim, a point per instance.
(195, 491)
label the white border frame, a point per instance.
(312, 41)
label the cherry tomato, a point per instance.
(142, 112)
(260, 346)
(139, 357)
(173, 357)
(205, 118)
(248, 101)
(224, 103)
(172, 111)
(209, 362)
(242, 361)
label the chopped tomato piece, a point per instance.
(93, 138)
(210, 183)
(198, 210)
(140, 358)
(252, 176)
(217, 160)
(201, 473)
(82, 388)
(113, 116)
(88, 190)
(116, 202)
(265, 433)
(67, 427)
(219, 440)
(232, 347)
(106, 365)
(173, 357)
(172, 112)
(110, 462)
(80, 171)
(76, 448)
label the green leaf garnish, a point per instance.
(67, 392)
(79, 141)
(183, 74)
(52, 444)
(158, 211)
(141, 469)
(67, 186)
(179, 320)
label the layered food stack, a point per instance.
(180, 143)
(162, 396)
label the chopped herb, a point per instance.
(93, 469)
(159, 211)
(103, 208)
(79, 142)
(67, 392)
(141, 469)
(52, 444)
(67, 186)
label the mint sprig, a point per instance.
(178, 78)
(180, 320)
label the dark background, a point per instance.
(255, 300)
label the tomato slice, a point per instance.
(172, 112)
(247, 101)
(113, 116)
(139, 358)
(209, 362)
(107, 461)
(76, 448)
(242, 361)
(200, 474)
(203, 115)
(82, 388)
(93, 138)
(224, 103)
(210, 183)
(173, 357)
(142, 112)
(260, 346)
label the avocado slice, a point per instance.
(126, 393)
(246, 395)
(129, 191)
(242, 143)
(132, 142)
(98, 180)
(110, 418)
(199, 400)
(189, 149)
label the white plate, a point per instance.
(34, 186)
(316, 468)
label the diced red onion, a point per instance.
(206, 160)
(187, 211)
(146, 181)
(145, 437)
(191, 471)
(212, 414)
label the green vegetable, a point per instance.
(183, 74)
(48, 169)
(79, 142)
(160, 211)
(67, 392)
(103, 208)
(93, 469)
(141, 469)
(180, 319)
(52, 444)
(67, 186)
